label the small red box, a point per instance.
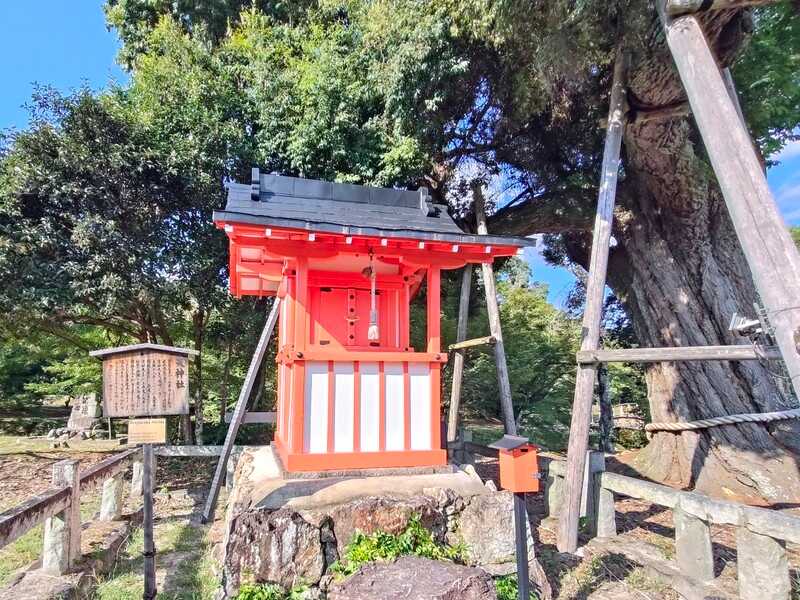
(519, 469)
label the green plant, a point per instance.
(414, 539)
(631, 439)
(507, 588)
(261, 591)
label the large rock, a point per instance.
(486, 527)
(276, 546)
(414, 578)
(385, 513)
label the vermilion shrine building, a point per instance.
(347, 260)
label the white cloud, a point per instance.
(788, 193)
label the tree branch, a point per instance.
(557, 211)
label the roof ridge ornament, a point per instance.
(255, 184)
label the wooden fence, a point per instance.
(59, 506)
(761, 534)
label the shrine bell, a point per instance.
(347, 261)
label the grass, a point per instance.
(507, 588)
(190, 578)
(10, 444)
(608, 568)
(20, 553)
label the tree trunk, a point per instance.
(198, 320)
(606, 423)
(224, 384)
(680, 271)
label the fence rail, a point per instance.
(59, 506)
(761, 534)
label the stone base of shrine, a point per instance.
(290, 530)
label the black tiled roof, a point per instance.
(278, 201)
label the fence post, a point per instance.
(595, 464)
(62, 532)
(111, 501)
(606, 518)
(693, 546)
(555, 491)
(136, 477)
(763, 566)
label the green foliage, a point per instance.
(630, 439)
(768, 76)
(414, 539)
(795, 231)
(540, 343)
(270, 591)
(507, 588)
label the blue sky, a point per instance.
(66, 45)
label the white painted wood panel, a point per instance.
(395, 409)
(290, 408)
(315, 415)
(343, 400)
(369, 381)
(419, 382)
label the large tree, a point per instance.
(417, 92)
(435, 93)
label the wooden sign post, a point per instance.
(146, 380)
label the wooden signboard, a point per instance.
(147, 431)
(145, 380)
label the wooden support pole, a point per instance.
(458, 359)
(62, 532)
(239, 411)
(686, 353)
(149, 550)
(770, 252)
(506, 406)
(584, 382)
(681, 7)
(481, 341)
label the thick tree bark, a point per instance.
(685, 277)
(680, 272)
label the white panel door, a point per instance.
(343, 400)
(395, 409)
(315, 417)
(419, 381)
(369, 383)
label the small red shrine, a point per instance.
(347, 260)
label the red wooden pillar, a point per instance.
(299, 344)
(434, 346)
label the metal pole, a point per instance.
(149, 552)
(521, 529)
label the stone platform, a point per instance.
(290, 531)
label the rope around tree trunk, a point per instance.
(794, 413)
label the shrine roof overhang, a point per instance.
(347, 210)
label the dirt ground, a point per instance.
(612, 577)
(186, 568)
